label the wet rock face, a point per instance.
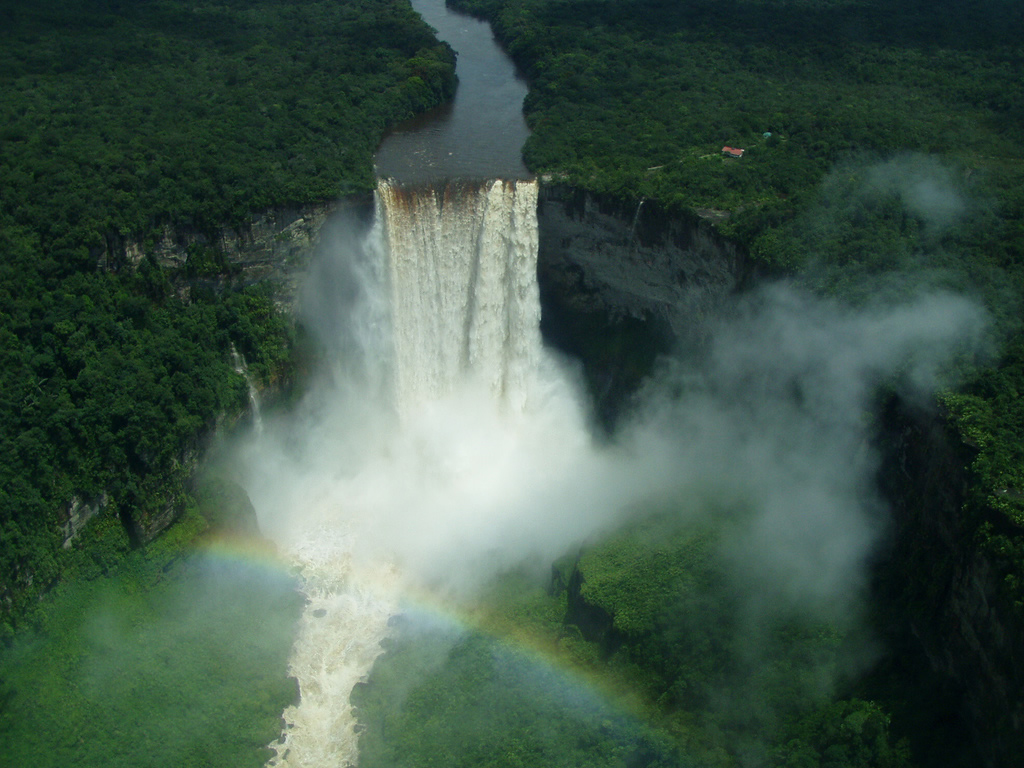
(624, 281)
(274, 246)
(78, 512)
(634, 259)
(943, 595)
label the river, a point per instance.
(480, 133)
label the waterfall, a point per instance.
(448, 314)
(636, 219)
(462, 266)
(239, 366)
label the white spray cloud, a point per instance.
(776, 415)
(927, 188)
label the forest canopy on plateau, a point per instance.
(120, 118)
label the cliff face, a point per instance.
(622, 282)
(167, 496)
(941, 592)
(957, 647)
(273, 247)
(624, 258)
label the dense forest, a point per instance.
(883, 147)
(120, 118)
(121, 122)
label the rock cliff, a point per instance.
(956, 639)
(623, 281)
(634, 259)
(957, 646)
(272, 247)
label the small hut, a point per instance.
(732, 152)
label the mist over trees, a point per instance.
(884, 151)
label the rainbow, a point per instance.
(428, 608)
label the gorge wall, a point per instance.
(623, 281)
(274, 247)
(600, 254)
(606, 263)
(954, 635)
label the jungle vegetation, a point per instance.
(121, 118)
(174, 656)
(675, 674)
(120, 121)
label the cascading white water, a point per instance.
(475, 405)
(238, 363)
(463, 279)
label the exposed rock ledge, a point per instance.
(621, 257)
(942, 591)
(272, 247)
(77, 513)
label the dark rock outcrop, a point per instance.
(622, 282)
(956, 639)
(273, 247)
(610, 267)
(634, 259)
(78, 513)
(226, 506)
(594, 623)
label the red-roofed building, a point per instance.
(732, 152)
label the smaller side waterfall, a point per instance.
(239, 366)
(636, 219)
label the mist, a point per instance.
(928, 189)
(776, 417)
(769, 423)
(776, 411)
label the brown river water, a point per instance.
(480, 133)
